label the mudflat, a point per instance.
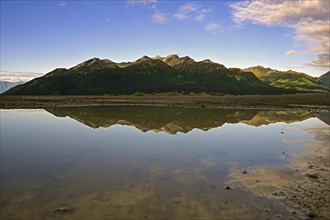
(304, 101)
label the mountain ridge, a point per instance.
(160, 74)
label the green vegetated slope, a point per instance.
(289, 79)
(214, 77)
(97, 77)
(157, 75)
(145, 75)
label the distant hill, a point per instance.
(289, 79)
(325, 78)
(156, 75)
(6, 85)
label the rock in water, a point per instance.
(63, 209)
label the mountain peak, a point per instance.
(177, 62)
(207, 61)
(93, 64)
(172, 56)
(90, 61)
(187, 58)
(144, 58)
(158, 57)
(86, 63)
(259, 69)
(293, 72)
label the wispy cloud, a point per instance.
(197, 13)
(322, 60)
(108, 20)
(186, 10)
(202, 14)
(191, 11)
(309, 19)
(62, 3)
(141, 2)
(213, 27)
(291, 52)
(159, 17)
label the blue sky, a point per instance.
(39, 36)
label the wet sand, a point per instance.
(303, 185)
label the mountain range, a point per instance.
(166, 74)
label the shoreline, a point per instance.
(301, 185)
(318, 102)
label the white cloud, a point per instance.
(213, 27)
(18, 76)
(186, 10)
(159, 17)
(309, 19)
(141, 2)
(271, 12)
(290, 52)
(321, 61)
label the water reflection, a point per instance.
(119, 172)
(173, 120)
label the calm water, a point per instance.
(144, 162)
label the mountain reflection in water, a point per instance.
(174, 120)
(48, 163)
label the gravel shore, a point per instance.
(317, 102)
